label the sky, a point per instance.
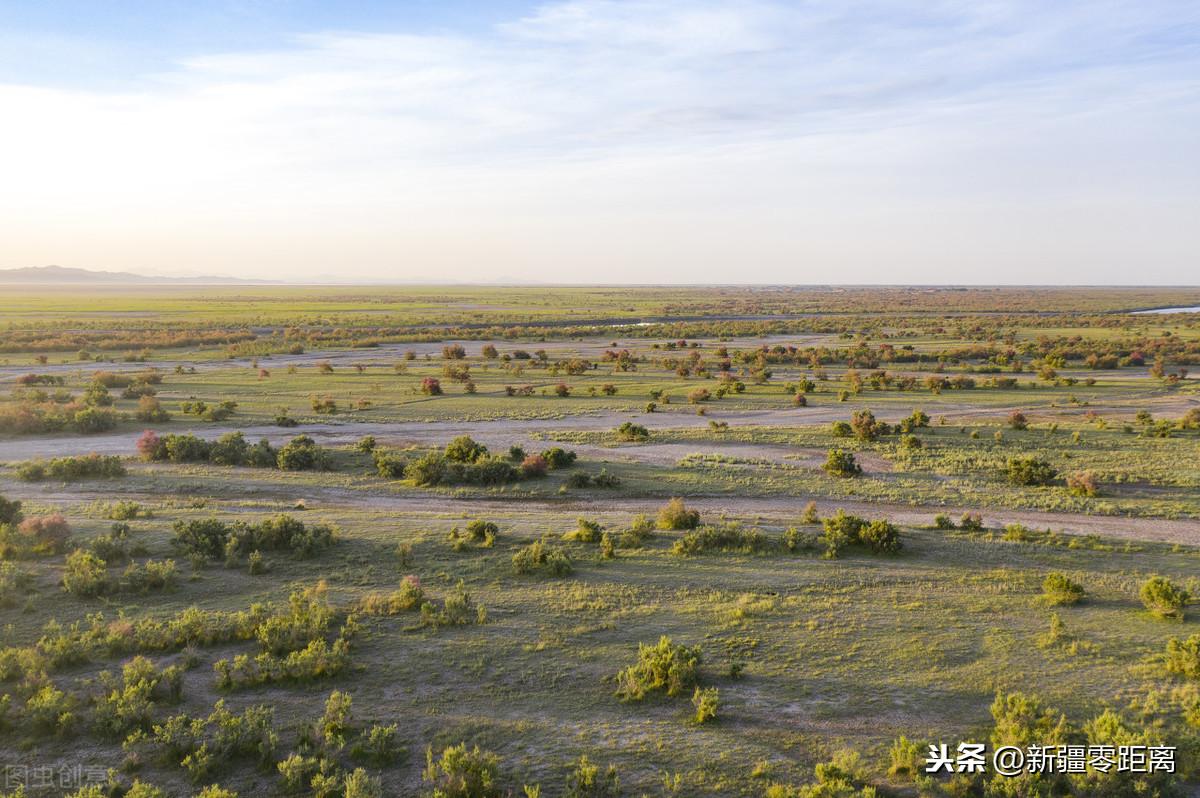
(597, 141)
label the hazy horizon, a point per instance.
(606, 143)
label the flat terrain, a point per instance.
(728, 398)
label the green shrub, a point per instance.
(841, 530)
(14, 584)
(213, 539)
(705, 701)
(464, 449)
(483, 531)
(85, 574)
(640, 530)
(389, 465)
(629, 431)
(1183, 657)
(907, 759)
(795, 539)
(458, 609)
(1058, 589)
(10, 511)
(865, 426)
(841, 463)
(675, 515)
(880, 536)
(128, 703)
(585, 531)
(1029, 470)
(538, 557)
(1164, 598)
(557, 457)
(664, 667)
(586, 781)
(729, 537)
(302, 454)
(359, 784)
(462, 773)
(70, 469)
(377, 745)
(125, 511)
(92, 420)
(578, 479)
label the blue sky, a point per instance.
(595, 141)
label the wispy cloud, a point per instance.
(619, 133)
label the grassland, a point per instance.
(812, 655)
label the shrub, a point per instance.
(664, 667)
(10, 511)
(377, 745)
(841, 463)
(125, 511)
(841, 429)
(182, 449)
(943, 521)
(633, 432)
(431, 386)
(14, 583)
(1083, 483)
(464, 449)
(1030, 470)
(462, 773)
(409, 596)
(483, 531)
(705, 702)
(881, 536)
(578, 479)
(795, 540)
(302, 454)
(70, 469)
(865, 426)
(389, 465)
(731, 537)
(556, 457)
(534, 466)
(229, 449)
(459, 609)
(585, 781)
(212, 539)
(538, 556)
(91, 420)
(85, 574)
(1164, 598)
(46, 533)
(147, 576)
(972, 522)
(585, 531)
(429, 469)
(841, 530)
(906, 759)
(1057, 588)
(562, 390)
(1183, 657)
(640, 530)
(151, 410)
(675, 515)
(31, 471)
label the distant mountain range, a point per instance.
(64, 275)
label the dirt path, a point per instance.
(771, 510)
(497, 433)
